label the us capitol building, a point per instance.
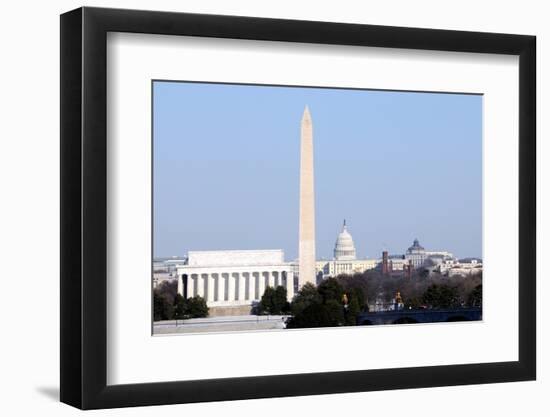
(231, 281)
(345, 260)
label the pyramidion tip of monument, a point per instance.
(306, 115)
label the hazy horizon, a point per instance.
(396, 165)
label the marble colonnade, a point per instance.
(233, 286)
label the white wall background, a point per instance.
(29, 208)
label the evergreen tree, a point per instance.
(158, 307)
(319, 307)
(306, 296)
(180, 307)
(328, 314)
(167, 310)
(441, 296)
(196, 307)
(266, 302)
(360, 296)
(273, 301)
(279, 302)
(352, 310)
(330, 289)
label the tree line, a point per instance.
(169, 305)
(325, 305)
(339, 301)
(420, 291)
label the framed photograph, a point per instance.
(259, 208)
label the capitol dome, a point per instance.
(344, 250)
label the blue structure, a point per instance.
(419, 316)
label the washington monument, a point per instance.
(307, 204)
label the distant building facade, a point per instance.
(415, 257)
(345, 258)
(160, 277)
(463, 267)
(164, 269)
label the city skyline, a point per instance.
(380, 163)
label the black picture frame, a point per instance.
(84, 207)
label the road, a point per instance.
(219, 324)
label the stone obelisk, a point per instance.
(307, 204)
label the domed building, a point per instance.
(416, 254)
(345, 258)
(344, 250)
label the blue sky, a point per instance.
(395, 165)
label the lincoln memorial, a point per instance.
(228, 278)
